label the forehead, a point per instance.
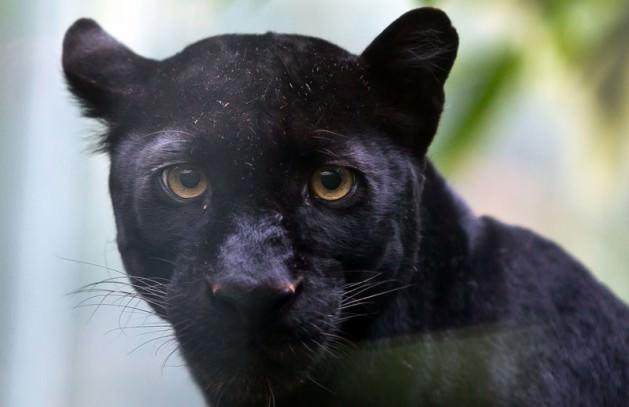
(252, 81)
(252, 92)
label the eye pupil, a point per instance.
(189, 178)
(331, 179)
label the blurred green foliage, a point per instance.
(590, 38)
(493, 75)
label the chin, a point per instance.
(255, 374)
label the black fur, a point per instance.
(406, 298)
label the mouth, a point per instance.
(233, 352)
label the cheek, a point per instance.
(362, 234)
(317, 310)
(358, 237)
(189, 308)
(164, 223)
(167, 230)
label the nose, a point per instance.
(259, 302)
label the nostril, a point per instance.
(228, 297)
(286, 293)
(283, 296)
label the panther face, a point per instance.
(266, 187)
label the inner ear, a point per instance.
(99, 70)
(407, 65)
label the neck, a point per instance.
(447, 229)
(438, 298)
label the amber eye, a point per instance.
(332, 183)
(185, 181)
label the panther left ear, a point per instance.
(100, 71)
(407, 66)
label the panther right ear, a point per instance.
(407, 66)
(100, 71)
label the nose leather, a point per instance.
(258, 302)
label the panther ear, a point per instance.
(407, 66)
(100, 71)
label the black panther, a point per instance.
(275, 205)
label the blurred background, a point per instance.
(535, 132)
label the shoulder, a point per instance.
(540, 278)
(568, 328)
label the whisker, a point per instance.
(172, 263)
(268, 382)
(354, 301)
(168, 357)
(312, 379)
(131, 299)
(87, 263)
(359, 290)
(169, 341)
(150, 341)
(113, 305)
(164, 326)
(363, 281)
